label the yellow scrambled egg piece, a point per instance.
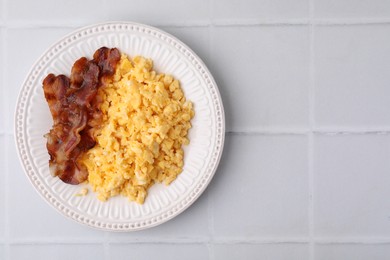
(146, 119)
(83, 192)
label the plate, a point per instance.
(201, 156)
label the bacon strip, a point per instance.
(107, 59)
(75, 112)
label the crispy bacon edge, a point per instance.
(75, 112)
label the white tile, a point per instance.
(3, 210)
(352, 183)
(352, 252)
(22, 56)
(2, 85)
(71, 11)
(262, 73)
(352, 76)
(158, 251)
(157, 12)
(261, 251)
(197, 38)
(263, 9)
(261, 187)
(58, 252)
(352, 8)
(30, 216)
(1, 10)
(192, 223)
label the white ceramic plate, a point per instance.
(33, 120)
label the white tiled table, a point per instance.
(305, 172)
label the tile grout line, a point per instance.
(311, 130)
(303, 21)
(353, 240)
(106, 250)
(2, 75)
(162, 240)
(6, 145)
(218, 23)
(3, 82)
(357, 131)
(266, 132)
(350, 21)
(62, 24)
(205, 240)
(311, 133)
(3, 185)
(35, 241)
(6, 200)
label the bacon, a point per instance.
(107, 59)
(84, 81)
(75, 111)
(55, 89)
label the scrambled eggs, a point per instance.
(146, 119)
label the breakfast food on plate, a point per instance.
(146, 119)
(83, 192)
(75, 112)
(118, 124)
